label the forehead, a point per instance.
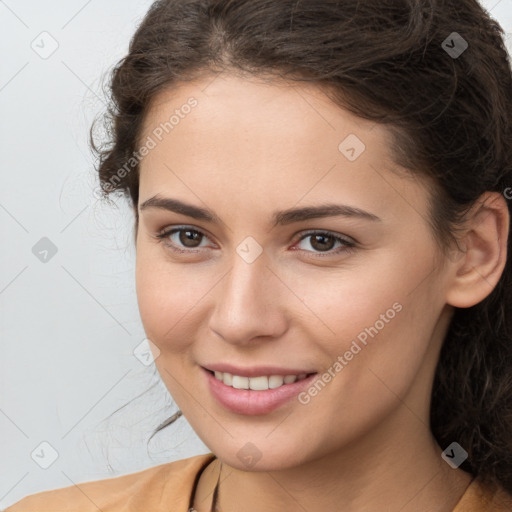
(245, 101)
(279, 139)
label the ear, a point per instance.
(484, 251)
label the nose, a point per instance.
(248, 304)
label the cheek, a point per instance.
(166, 298)
(169, 297)
(375, 325)
(157, 293)
(344, 305)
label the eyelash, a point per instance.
(348, 245)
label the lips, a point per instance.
(252, 401)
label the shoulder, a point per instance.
(152, 489)
(484, 497)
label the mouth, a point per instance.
(259, 382)
(258, 394)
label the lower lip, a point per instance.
(251, 402)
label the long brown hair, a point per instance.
(391, 61)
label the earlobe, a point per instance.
(479, 268)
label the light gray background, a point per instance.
(69, 325)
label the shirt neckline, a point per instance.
(196, 481)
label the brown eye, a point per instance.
(189, 238)
(325, 242)
(322, 242)
(183, 239)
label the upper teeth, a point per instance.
(257, 383)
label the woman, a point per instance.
(320, 193)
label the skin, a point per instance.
(363, 443)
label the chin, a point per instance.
(259, 455)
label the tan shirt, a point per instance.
(170, 487)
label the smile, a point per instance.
(258, 394)
(260, 383)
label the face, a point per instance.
(264, 280)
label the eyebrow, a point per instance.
(279, 218)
